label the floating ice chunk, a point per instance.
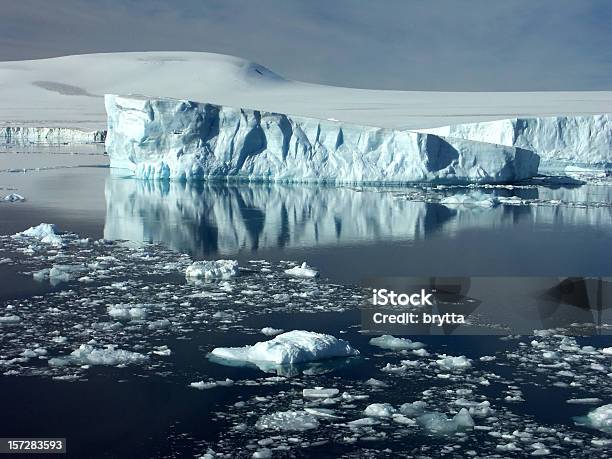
(322, 413)
(263, 453)
(127, 312)
(287, 348)
(269, 331)
(395, 344)
(64, 273)
(463, 419)
(363, 422)
(376, 383)
(287, 420)
(303, 270)
(12, 319)
(438, 423)
(600, 418)
(201, 385)
(413, 409)
(607, 351)
(319, 392)
(164, 351)
(45, 232)
(584, 401)
(214, 269)
(379, 410)
(451, 363)
(89, 355)
(477, 199)
(13, 197)
(404, 420)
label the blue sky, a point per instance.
(389, 44)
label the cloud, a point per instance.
(399, 44)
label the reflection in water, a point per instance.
(207, 219)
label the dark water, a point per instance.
(348, 234)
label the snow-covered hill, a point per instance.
(68, 92)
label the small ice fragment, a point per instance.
(379, 410)
(303, 271)
(14, 197)
(287, 421)
(395, 344)
(319, 392)
(269, 331)
(451, 363)
(214, 269)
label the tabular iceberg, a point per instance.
(177, 139)
(581, 139)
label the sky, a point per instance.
(455, 45)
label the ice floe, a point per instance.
(303, 270)
(288, 421)
(395, 344)
(215, 269)
(89, 355)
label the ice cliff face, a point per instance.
(576, 139)
(19, 134)
(177, 139)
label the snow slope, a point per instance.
(68, 91)
(178, 139)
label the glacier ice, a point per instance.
(287, 348)
(576, 139)
(49, 135)
(160, 138)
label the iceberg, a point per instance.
(576, 139)
(296, 346)
(47, 233)
(157, 138)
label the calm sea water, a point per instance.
(348, 233)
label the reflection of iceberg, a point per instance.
(205, 218)
(208, 218)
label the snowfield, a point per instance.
(67, 92)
